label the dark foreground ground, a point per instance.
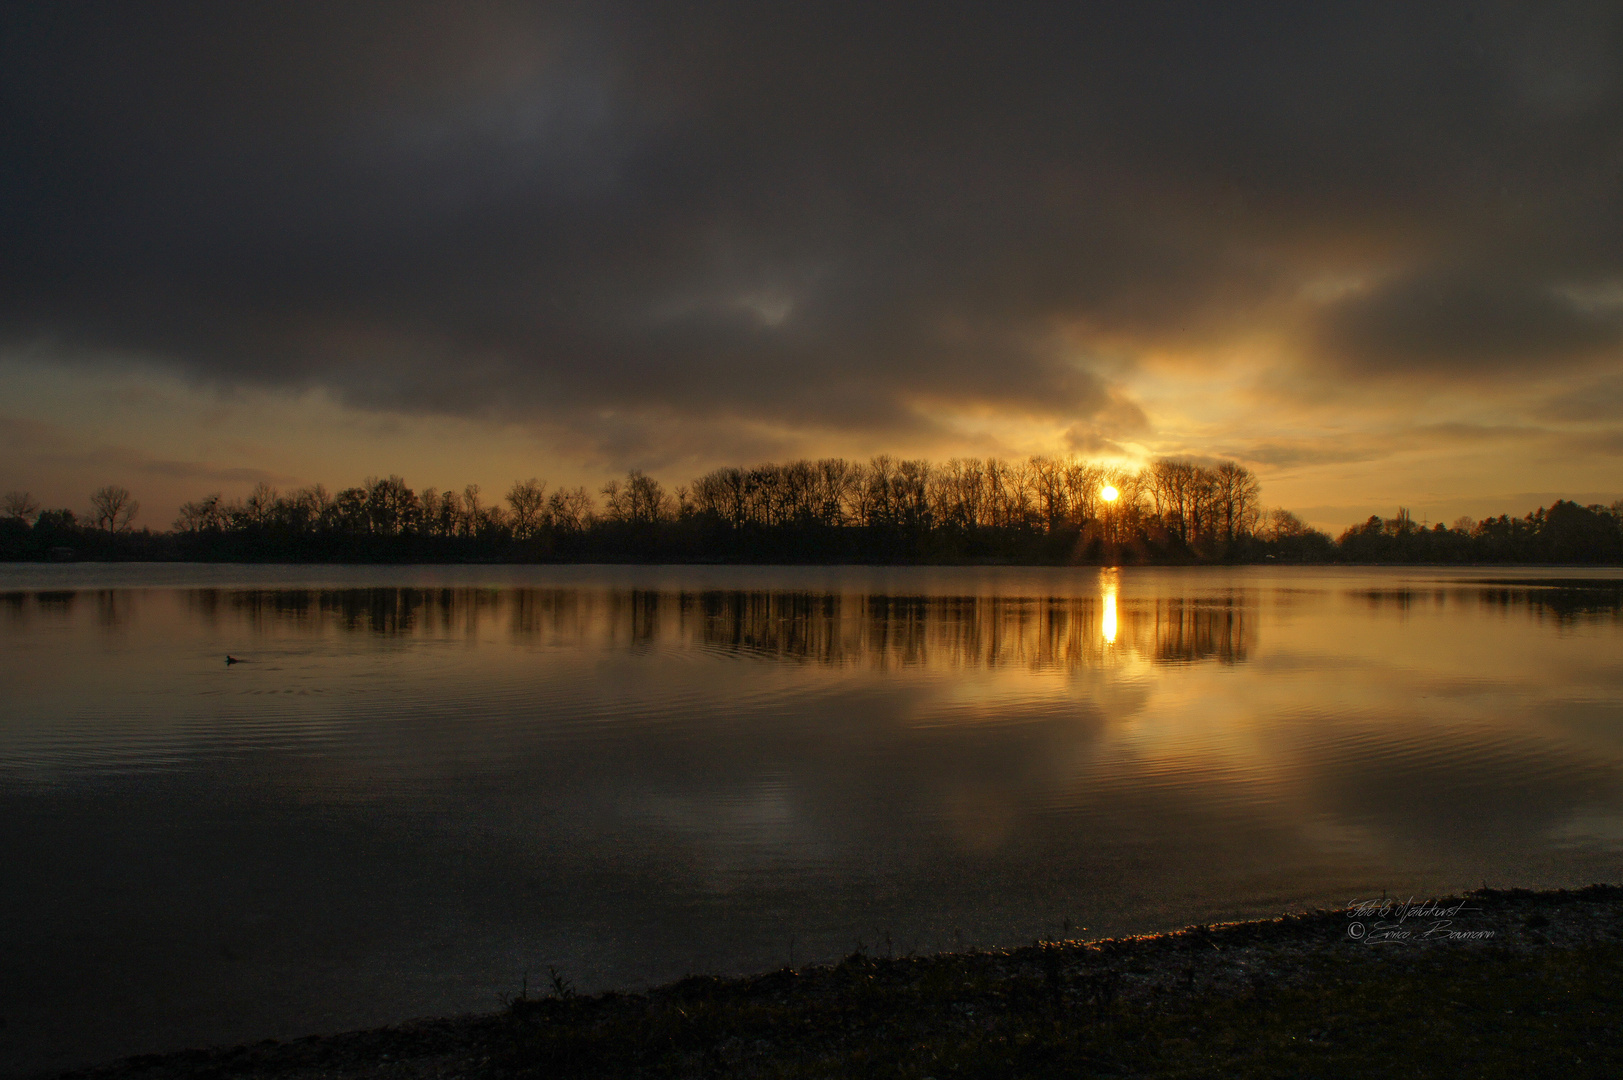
(1533, 988)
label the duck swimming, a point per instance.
(229, 659)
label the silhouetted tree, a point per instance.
(958, 489)
(528, 499)
(259, 508)
(641, 501)
(113, 508)
(1572, 533)
(20, 504)
(307, 509)
(1084, 483)
(1285, 536)
(969, 509)
(475, 518)
(204, 515)
(1236, 490)
(350, 512)
(392, 508)
(570, 509)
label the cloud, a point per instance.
(1287, 453)
(1591, 400)
(1467, 321)
(639, 227)
(1607, 444)
(125, 461)
(202, 470)
(1356, 446)
(50, 445)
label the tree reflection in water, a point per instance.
(880, 630)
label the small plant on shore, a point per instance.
(561, 987)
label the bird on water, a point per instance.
(229, 659)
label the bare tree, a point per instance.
(528, 498)
(798, 481)
(1009, 493)
(958, 487)
(873, 501)
(642, 501)
(1235, 490)
(205, 515)
(995, 488)
(476, 519)
(1281, 524)
(1167, 487)
(113, 508)
(448, 515)
(835, 477)
(20, 504)
(912, 493)
(570, 509)
(1121, 518)
(1048, 488)
(1083, 483)
(308, 508)
(720, 493)
(260, 505)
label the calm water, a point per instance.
(423, 783)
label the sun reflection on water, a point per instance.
(1108, 622)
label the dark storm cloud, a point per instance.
(821, 216)
(1468, 321)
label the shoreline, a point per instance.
(1327, 990)
(1267, 561)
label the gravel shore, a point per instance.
(1465, 985)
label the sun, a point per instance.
(1109, 493)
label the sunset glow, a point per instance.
(560, 250)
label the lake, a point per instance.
(423, 786)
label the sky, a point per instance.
(1372, 251)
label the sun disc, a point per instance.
(1109, 493)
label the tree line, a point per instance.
(1565, 532)
(1040, 511)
